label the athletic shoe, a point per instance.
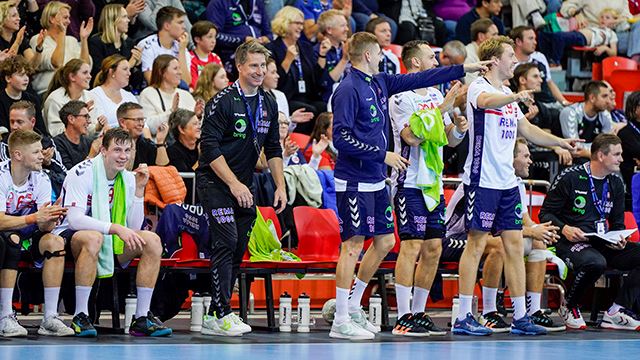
(350, 331)
(542, 319)
(406, 326)
(425, 321)
(10, 327)
(469, 326)
(148, 325)
(53, 326)
(623, 319)
(572, 318)
(82, 326)
(525, 326)
(494, 321)
(244, 328)
(360, 318)
(224, 326)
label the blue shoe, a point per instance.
(82, 326)
(148, 325)
(525, 326)
(469, 326)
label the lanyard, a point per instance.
(630, 123)
(599, 203)
(384, 63)
(254, 119)
(298, 62)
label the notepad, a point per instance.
(613, 236)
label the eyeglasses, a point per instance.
(86, 116)
(137, 120)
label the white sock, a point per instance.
(489, 296)
(403, 297)
(533, 300)
(465, 306)
(614, 309)
(51, 295)
(419, 302)
(342, 306)
(82, 299)
(355, 296)
(6, 295)
(144, 301)
(519, 307)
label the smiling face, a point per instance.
(172, 74)
(427, 58)
(116, 156)
(12, 21)
(522, 160)
(133, 122)
(30, 156)
(507, 62)
(19, 120)
(81, 121)
(339, 32)
(253, 70)
(294, 30)
(122, 24)
(191, 131)
(82, 78)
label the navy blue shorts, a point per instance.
(415, 221)
(364, 213)
(491, 210)
(453, 247)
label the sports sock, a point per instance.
(51, 295)
(82, 299)
(6, 295)
(519, 307)
(614, 309)
(355, 296)
(489, 296)
(403, 297)
(144, 301)
(533, 302)
(419, 302)
(342, 306)
(464, 306)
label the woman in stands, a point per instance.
(211, 81)
(163, 96)
(184, 125)
(630, 136)
(12, 37)
(109, 84)
(320, 149)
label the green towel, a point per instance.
(264, 244)
(428, 126)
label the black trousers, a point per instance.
(229, 230)
(589, 260)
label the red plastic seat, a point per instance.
(397, 51)
(270, 213)
(630, 223)
(299, 139)
(318, 234)
(623, 81)
(611, 64)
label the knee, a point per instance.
(596, 266)
(90, 242)
(410, 248)
(352, 248)
(51, 243)
(153, 245)
(385, 244)
(431, 250)
(496, 250)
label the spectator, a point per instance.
(204, 35)
(29, 17)
(148, 18)
(332, 57)
(132, 7)
(579, 206)
(171, 39)
(415, 22)
(528, 12)
(312, 11)
(587, 119)
(486, 9)
(320, 153)
(12, 36)
(389, 64)
(74, 144)
(451, 11)
(481, 31)
(299, 70)
(58, 48)
(291, 153)
(630, 136)
(80, 11)
(453, 52)
(211, 81)
(183, 153)
(16, 71)
(144, 151)
(71, 82)
(108, 92)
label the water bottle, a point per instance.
(285, 312)
(197, 312)
(129, 311)
(304, 313)
(455, 309)
(375, 310)
(206, 302)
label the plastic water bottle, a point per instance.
(455, 309)
(285, 312)
(304, 313)
(197, 312)
(375, 310)
(129, 311)
(206, 302)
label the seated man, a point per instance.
(15, 71)
(481, 30)
(144, 151)
(26, 214)
(485, 9)
(74, 144)
(589, 198)
(389, 64)
(103, 222)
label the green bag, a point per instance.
(264, 244)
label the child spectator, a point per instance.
(204, 35)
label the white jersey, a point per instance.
(492, 139)
(26, 198)
(151, 49)
(401, 107)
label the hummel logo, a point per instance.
(353, 201)
(623, 322)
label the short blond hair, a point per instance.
(359, 43)
(250, 47)
(51, 10)
(283, 18)
(493, 47)
(611, 11)
(20, 138)
(5, 6)
(327, 19)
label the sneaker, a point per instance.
(82, 326)
(350, 331)
(406, 326)
(542, 319)
(537, 20)
(224, 326)
(53, 326)
(425, 321)
(148, 325)
(572, 318)
(623, 319)
(10, 327)
(525, 326)
(244, 328)
(360, 318)
(469, 326)
(494, 321)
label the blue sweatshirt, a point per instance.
(361, 118)
(235, 24)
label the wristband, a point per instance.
(322, 56)
(457, 134)
(31, 219)
(161, 145)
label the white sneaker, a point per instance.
(572, 318)
(53, 326)
(623, 319)
(211, 325)
(244, 328)
(9, 326)
(350, 331)
(537, 20)
(360, 318)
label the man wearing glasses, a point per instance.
(131, 118)
(74, 144)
